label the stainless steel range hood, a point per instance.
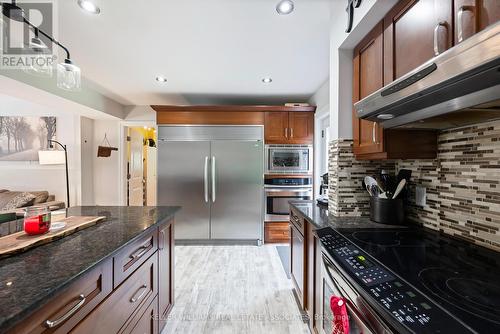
(458, 87)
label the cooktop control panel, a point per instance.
(401, 300)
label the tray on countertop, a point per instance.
(20, 242)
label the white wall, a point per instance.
(88, 152)
(321, 99)
(30, 175)
(107, 172)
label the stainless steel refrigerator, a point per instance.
(215, 173)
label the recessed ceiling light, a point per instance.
(89, 6)
(267, 80)
(285, 7)
(161, 79)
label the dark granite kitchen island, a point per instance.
(31, 279)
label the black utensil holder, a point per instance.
(387, 211)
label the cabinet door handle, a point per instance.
(291, 132)
(134, 298)
(374, 132)
(460, 27)
(286, 132)
(436, 32)
(57, 322)
(161, 243)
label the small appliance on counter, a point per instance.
(323, 191)
(386, 193)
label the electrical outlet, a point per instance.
(420, 195)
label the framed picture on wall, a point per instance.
(22, 137)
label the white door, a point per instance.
(136, 175)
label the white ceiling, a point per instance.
(211, 51)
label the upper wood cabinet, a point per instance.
(276, 127)
(415, 31)
(371, 141)
(472, 16)
(289, 127)
(368, 78)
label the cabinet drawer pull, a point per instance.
(161, 243)
(436, 31)
(134, 298)
(55, 323)
(140, 251)
(460, 21)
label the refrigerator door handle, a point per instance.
(205, 179)
(213, 179)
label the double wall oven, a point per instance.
(288, 178)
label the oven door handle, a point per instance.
(291, 190)
(349, 304)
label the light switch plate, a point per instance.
(420, 196)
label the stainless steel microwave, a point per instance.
(289, 159)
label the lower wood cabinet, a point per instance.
(116, 313)
(297, 263)
(145, 321)
(276, 232)
(71, 306)
(131, 292)
(305, 268)
(166, 262)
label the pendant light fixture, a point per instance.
(39, 65)
(68, 74)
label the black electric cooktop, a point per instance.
(464, 279)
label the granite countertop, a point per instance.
(318, 216)
(30, 279)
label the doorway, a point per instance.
(141, 166)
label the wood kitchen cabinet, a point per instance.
(276, 232)
(126, 293)
(370, 140)
(368, 78)
(297, 262)
(289, 127)
(166, 261)
(305, 268)
(414, 32)
(472, 16)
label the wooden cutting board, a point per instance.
(20, 242)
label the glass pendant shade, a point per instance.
(39, 68)
(69, 76)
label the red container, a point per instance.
(37, 221)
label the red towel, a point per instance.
(340, 315)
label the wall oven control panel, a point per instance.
(400, 300)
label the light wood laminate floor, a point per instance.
(232, 289)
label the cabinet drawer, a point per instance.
(145, 321)
(71, 306)
(297, 221)
(133, 256)
(277, 232)
(114, 314)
